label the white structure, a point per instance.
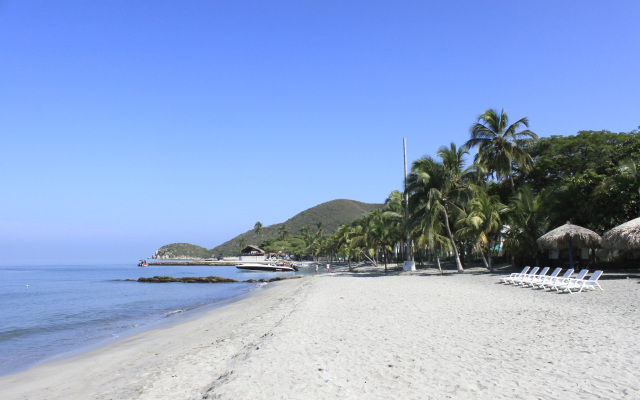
(409, 266)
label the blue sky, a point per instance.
(127, 125)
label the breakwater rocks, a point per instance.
(208, 279)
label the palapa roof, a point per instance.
(623, 237)
(252, 250)
(580, 238)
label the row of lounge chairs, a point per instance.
(564, 283)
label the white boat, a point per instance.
(264, 267)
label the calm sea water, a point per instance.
(48, 312)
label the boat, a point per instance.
(265, 267)
(143, 263)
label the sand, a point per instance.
(366, 336)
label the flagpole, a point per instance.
(408, 265)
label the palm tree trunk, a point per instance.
(384, 255)
(453, 244)
(484, 260)
(438, 261)
(367, 257)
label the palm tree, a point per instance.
(527, 222)
(500, 146)
(361, 238)
(482, 224)
(257, 228)
(380, 235)
(427, 230)
(440, 187)
(393, 213)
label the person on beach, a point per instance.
(328, 267)
(316, 269)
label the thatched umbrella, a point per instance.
(623, 237)
(567, 236)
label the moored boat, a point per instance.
(264, 267)
(143, 263)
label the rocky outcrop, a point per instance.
(187, 279)
(209, 279)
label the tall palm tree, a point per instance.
(427, 230)
(441, 187)
(362, 238)
(381, 235)
(500, 145)
(257, 228)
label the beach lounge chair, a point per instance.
(551, 283)
(531, 273)
(539, 282)
(578, 277)
(582, 284)
(527, 281)
(509, 278)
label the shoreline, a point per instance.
(174, 318)
(125, 361)
(371, 335)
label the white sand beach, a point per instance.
(416, 335)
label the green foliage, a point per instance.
(500, 146)
(293, 245)
(331, 214)
(528, 221)
(441, 190)
(584, 179)
(591, 179)
(183, 250)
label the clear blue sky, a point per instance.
(127, 125)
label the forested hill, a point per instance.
(331, 214)
(182, 250)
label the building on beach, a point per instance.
(252, 253)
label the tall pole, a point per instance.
(406, 201)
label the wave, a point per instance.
(170, 313)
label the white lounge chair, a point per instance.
(578, 277)
(582, 284)
(527, 281)
(539, 282)
(509, 278)
(531, 273)
(551, 283)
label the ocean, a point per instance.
(49, 312)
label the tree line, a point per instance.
(516, 187)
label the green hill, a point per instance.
(182, 250)
(331, 214)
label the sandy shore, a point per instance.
(401, 336)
